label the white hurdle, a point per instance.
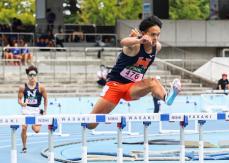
(13, 144)
(84, 142)
(128, 126)
(60, 131)
(146, 142)
(84, 119)
(51, 149)
(182, 142)
(119, 145)
(201, 142)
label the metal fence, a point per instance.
(59, 64)
(79, 64)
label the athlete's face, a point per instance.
(32, 76)
(154, 33)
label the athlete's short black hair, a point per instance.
(149, 22)
(31, 68)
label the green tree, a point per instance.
(189, 9)
(105, 12)
(21, 9)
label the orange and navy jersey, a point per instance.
(131, 69)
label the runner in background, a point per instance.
(29, 97)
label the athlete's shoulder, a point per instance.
(22, 87)
(42, 87)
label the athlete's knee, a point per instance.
(36, 129)
(153, 83)
(24, 128)
(92, 126)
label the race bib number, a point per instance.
(131, 75)
(31, 101)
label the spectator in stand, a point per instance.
(5, 28)
(50, 17)
(51, 39)
(214, 12)
(7, 55)
(60, 37)
(223, 83)
(16, 53)
(25, 53)
(77, 36)
(16, 25)
(1, 40)
(5, 40)
(12, 53)
(41, 42)
(5, 37)
(49, 43)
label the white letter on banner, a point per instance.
(202, 116)
(142, 117)
(113, 118)
(12, 120)
(78, 119)
(176, 117)
(227, 116)
(88, 118)
(44, 120)
(69, 119)
(130, 117)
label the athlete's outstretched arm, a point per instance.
(131, 41)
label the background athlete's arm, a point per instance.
(20, 96)
(45, 96)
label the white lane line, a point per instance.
(46, 141)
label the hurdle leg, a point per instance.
(119, 146)
(146, 142)
(183, 124)
(120, 127)
(84, 143)
(201, 142)
(51, 148)
(13, 144)
(182, 144)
